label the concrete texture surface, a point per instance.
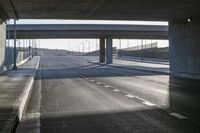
(102, 9)
(2, 45)
(74, 96)
(145, 60)
(21, 58)
(44, 31)
(184, 37)
(14, 92)
(109, 50)
(184, 48)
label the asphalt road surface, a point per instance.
(72, 95)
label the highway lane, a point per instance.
(174, 94)
(74, 96)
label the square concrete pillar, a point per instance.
(184, 43)
(2, 45)
(109, 50)
(102, 51)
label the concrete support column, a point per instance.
(102, 50)
(109, 50)
(2, 45)
(184, 41)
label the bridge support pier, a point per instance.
(184, 41)
(2, 45)
(109, 50)
(102, 50)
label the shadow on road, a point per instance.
(142, 121)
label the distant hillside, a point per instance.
(54, 52)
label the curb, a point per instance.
(23, 99)
(23, 61)
(25, 95)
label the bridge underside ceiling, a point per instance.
(101, 9)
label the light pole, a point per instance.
(8, 37)
(120, 44)
(89, 46)
(32, 48)
(96, 44)
(15, 53)
(128, 45)
(24, 45)
(29, 49)
(83, 48)
(142, 49)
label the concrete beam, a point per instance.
(184, 45)
(102, 50)
(89, 31)
(109, 50)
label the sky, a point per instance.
(86, 45)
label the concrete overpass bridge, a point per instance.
(96, 98)
(102, 32)
(45, 31)
(183, 17)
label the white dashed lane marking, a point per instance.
(175, 85)
(98, 83)
(116, 90)
(178, 115)
(130, 96)
(107, 86)
(148, 103)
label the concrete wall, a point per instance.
(185, 48)
(6, 54)
(22, 55)
(2, 45)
